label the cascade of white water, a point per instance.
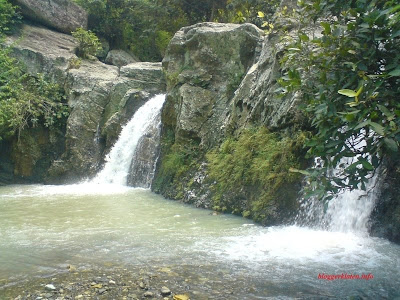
(348, 211)
(119, 160)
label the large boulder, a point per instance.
(221, 80)
(102, 99)
(119, 58)
(62, 15)
(204, 65)
(44, 51)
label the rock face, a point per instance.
(142, 168)
(205, 64)
(385, 219)
(119, 58)
(44, 51)
(220, 79)
(101, 98)
(215, 90)
(62, 15)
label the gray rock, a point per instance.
(101, 99)
(62, 15)
(204, 65)
(221, 79)
(165, 291)
(146, 75)
(50, 287)
(148, 294)
(141, 171)
(119, 58)
(44, 51)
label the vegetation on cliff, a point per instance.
(349, 81)
(25, 100)
(89, 44)
(255, 168)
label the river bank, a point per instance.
(118, 283)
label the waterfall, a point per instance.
(145, 122)
(348, 211)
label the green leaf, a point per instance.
(391, 144)
(396, 34)
(395, 72)
(386, 112)
(260, 14)
(327, 27)
(377, 128)
(304, 172)
(304, 37)
(361, 125)
(348, 93)
(367, 165)
(353, 104)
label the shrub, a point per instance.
(89, 43)
(25, 100)
(8, 16)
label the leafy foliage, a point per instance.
(348, 75)
(24, 100)
(89, 44)
(8, 16)
(255, 166)
(141, 26)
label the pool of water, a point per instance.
(45, 228)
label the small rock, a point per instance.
(79, 297)
(142, 285)
(165, 291)
(101, 291)
(48, 295)
(71, 268)
(148, 294)
(111, 282)
(50, 287)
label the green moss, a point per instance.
(251, 173)
(176, 160)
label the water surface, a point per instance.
(45, 228)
